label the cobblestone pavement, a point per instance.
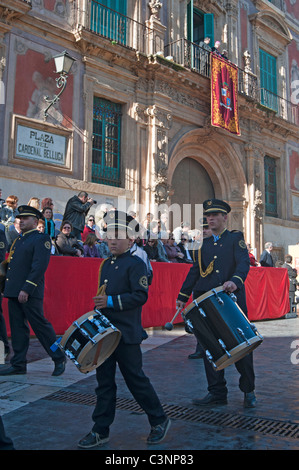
(41, 412)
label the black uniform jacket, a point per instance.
(231, 263)
(128, 286)
(75, 212)
(3, 245)
(28, 263)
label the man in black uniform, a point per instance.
(125, 278)
(222, 261)
(3, 332)
(24, 287)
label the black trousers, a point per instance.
(5, 442)
(19, 316)
(129, 359)
(217, 382)
(3, 332)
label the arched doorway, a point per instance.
(191, 184)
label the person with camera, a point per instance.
(76, 210)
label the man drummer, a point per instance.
(123, 289)
(221, 261)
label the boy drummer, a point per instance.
(123, 289)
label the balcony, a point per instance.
(118, 28)
(195, 58)
(127, 32)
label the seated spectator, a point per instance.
(66, 243)
(47, 202)
(151, 249)
(148, 221)
(174, 254)
(9, 211)
(103, 249)
(49, 222)
(137, 250)
(89, 246)
(34, 202)
(90, 227)
(2, 201)
(13, 232)
(162, 241)
(253, 261)
(41, 226)
(195, 238)
(184, 247)
(183, 228)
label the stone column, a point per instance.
(156, 30)
(254, 159)
(160, 123)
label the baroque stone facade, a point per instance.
(145, 61)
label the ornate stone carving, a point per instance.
(258, 205)
(155, 7)
(163, 119)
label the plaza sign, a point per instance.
(40, 146)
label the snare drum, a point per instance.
(221, 327)
(90, 340)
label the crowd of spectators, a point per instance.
(155, 244)
(81, 235)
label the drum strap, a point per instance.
(102, 288)
(209, 268)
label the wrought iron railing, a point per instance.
(125, 31)
(118, 28)
(282, 107)
(196, 58)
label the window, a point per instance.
(108, 18)
(106, 142)
(200, 25)
(270, 187)
(268, 80)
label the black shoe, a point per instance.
(158, 432)
(249, 400)
(93, 439)
(210, 399)
(12, 371)
(59, 368)
(195, 355)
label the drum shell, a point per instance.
(215, 316)
(87, 344)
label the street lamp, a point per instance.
(63, 64)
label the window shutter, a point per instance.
(190, 21)
(209, 27)
(268, 80)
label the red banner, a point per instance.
(224, 94)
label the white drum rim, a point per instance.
(73, 327)
(205, 296)
(116, 335)
(238, 353)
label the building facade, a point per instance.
(133, 125)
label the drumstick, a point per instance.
(169, 326)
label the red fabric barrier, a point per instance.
(71, 283)
(267, 293)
